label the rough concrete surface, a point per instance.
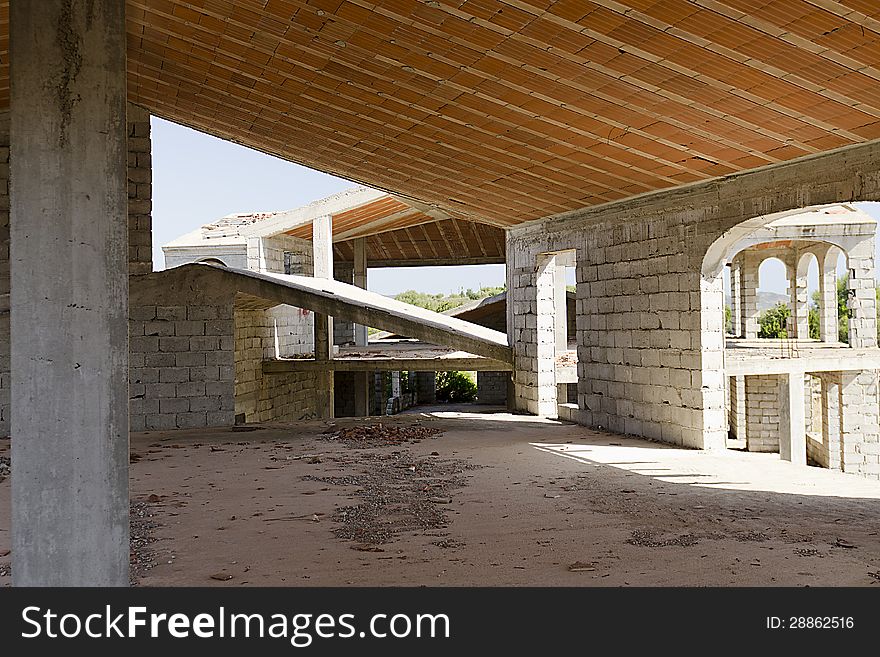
(520, 500)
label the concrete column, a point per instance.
(828, 319)
(792, 413)
(736, 296)
(322, 262)
(862, 297)
(799, 324)
(360, 280)
(395, 384)
(749, 297)
(69, 298)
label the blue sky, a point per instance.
(198, 178)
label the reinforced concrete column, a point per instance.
(359, 279)
(828, 319)
(69, 294)
(736, 313)
(800, 298)
(361, 339)
(749, 297)
(322, 261)
(792, 423)
(862, 296)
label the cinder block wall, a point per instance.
(762, 413)
(181, 361)
(649, 321)
(282, 397)
(140, 192)
(492, 387)
(4, 273)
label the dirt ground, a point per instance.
(494, 499)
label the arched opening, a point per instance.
(806, 279)
(773, 299)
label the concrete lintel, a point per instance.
(842, 360)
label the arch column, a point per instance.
(828, 319)
(798, 267)
(862, 296)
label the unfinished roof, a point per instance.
(512, 110)
(396, 233)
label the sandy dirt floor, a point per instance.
(494, 499)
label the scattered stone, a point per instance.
(844, 543)
(154, 498)
(645, 538)
(221, 577)
(377, 435)
(551, 496)
(392, 499)
(581, 567)
(5, 467)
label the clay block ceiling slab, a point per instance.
(506, 111)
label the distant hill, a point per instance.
(766, 300)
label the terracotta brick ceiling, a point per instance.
(506, 111)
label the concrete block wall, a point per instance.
(492, 387)
(426, 387)
(640, 365)
(4, 274)
(343, 389)
(762, 413)
(282, 397)
(650, 297)
(181, 372)
(859, 432)
(736, 407)
(140, 192)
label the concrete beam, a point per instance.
(285, 366)
(338, 299)
(838, 360)
(69, 302)
(792, 422)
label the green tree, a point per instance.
(728, 320)
(772, 321)
(440, 303)
(456, 387)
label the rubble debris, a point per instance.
(393, 499)
(221, 577)
(379, 435)
(645, 538)
(141, 556)
(5, 467)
